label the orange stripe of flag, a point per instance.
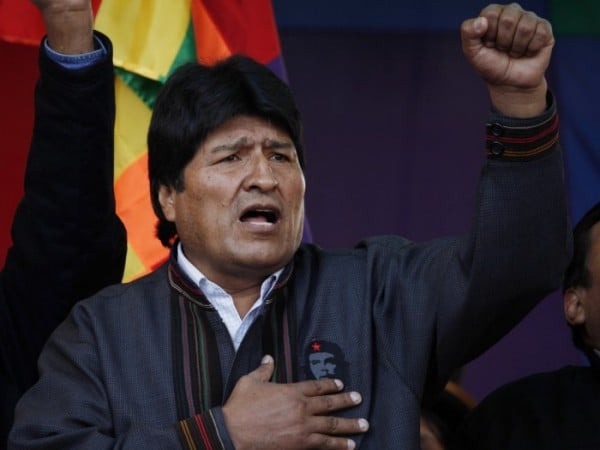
(135, 210)
(210, 46)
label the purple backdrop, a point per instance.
(394, 128)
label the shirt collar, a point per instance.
(209, 287)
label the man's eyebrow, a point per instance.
(245, 142)
(274, 143)
(235, 145)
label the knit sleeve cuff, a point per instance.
(80, 61)
(514, 139)
(83, 77)
(205, 431)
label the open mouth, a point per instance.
(260, 215)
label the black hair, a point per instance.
(197, 99)
(577, 273)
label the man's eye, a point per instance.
(231, 158)
(279, 157)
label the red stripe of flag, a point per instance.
(248, 27)
(21, 22)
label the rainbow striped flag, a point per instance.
(151, 38)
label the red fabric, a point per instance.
(21, 30)
(21, 22)
(17, 82)
(248, 27)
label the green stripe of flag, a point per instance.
(147, 89)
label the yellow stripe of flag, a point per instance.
(146, 34)
(131, 126)
(132, 191)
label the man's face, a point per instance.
(322, 364)
(591, 295)
(241, 212)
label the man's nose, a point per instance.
(261, 175)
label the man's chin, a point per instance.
(265, 263)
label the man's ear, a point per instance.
(574, 305)
(167, 198)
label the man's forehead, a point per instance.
(248, 127)
(237, 138)
(321, 355)
(593, 256)
(594, 236)
(595, 231)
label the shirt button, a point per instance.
(496, 129)
(497, 148)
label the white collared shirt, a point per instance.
(223, 302)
